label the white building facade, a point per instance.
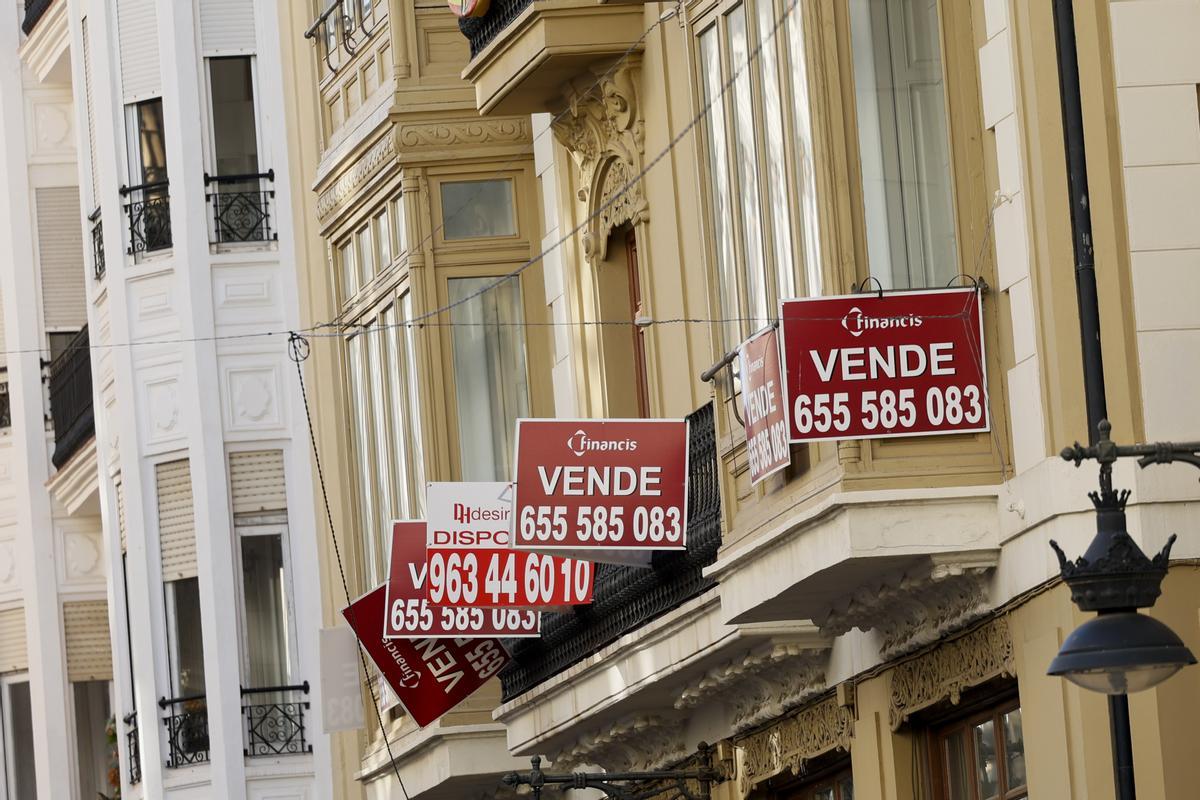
(197, 501)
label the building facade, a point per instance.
(877, 619)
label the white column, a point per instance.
(35, 539)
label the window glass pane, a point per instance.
(93, 752)
(381, 403)
(746, 152)
(489, 371)
(235, 138)
(151, 142)
(406, 433)
(1014, 750)
(776, 164)
(383, 239)
(360, 401)
(398, 243)
(957, 768)
(187, 643)
(987, 770)
(348, 15)
(722, 225)
(349, 272)
(903, 142)
(806, 183)
(824, 793)
(366, 256)
(471, 209)
(417, 466)
(264, 592)
(846, 788)
(22, 781)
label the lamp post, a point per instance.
(1120, 651)
(627, 785)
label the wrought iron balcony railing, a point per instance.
(5, 403)
(134, 749)
(97, 243)
(149, 210)
(481, 31)
(625, 598)
(241, 207)
(187, 730)
(275, 720)
(34, 10)
(71, 398)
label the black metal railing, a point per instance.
(625, 598)
(482, 30)
(134, 748)
(149, 210)
(187, 730)
(71, 398)
(5, 402)
(241, 207)
(275, 724)
(34, 10)
(97, 243)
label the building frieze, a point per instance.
(365, 167)
(944, 672)
(817, 729)
(450, 133)
(634, 744)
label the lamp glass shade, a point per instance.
(1121, 653)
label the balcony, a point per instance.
(275, 724)
(186, 723)
(523, 53)
(149, 208)
(134, 749)
(241, 207)
(626, 598)
(34, 11)
(71, 399)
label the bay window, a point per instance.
(491, 383)
(903, 141)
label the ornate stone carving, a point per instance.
(817, 729)
(943, 673)
(366, 166)
(605, 134)
(633, 744)
(763, 684)
(919, 606)
(445, 134)
(82, 555)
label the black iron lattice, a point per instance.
(276, 728)
(187, 731)
(149, 210)
(134, 750)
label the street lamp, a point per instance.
(1119, 651)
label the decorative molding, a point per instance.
(371, 162)
(83, 562)
(763, 684)
(943, 673)
(639, 743)
(252, 394)
(604, 131)
(447, 134)
(817, 729)
(913, 608)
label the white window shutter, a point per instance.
(137, 31)
(60, 255)
(176, 520)
(226, 26)
(14, 657)
(256, 482)
(89, 654)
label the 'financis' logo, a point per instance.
(580, 443)
(409, 677)
(856, 322)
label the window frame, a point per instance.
(210, 133)
(266, 525)
(7, 737)
(938, 760)
(830, 779)
(437, 184)
(170, 617)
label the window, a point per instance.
(148, 203)
(235, 133)
(381, 228)
(93, 752)
(761, 199)
(476, 209)
(399, 244)
(59, 342)
(371, 517)
(982, 758)
(349, 269)
(903, 142)
(185, 639)
(365, 256)
(17, 712)
(149, 161)
(406, 412)
(265, 600)
(491, 384)
(836, 787)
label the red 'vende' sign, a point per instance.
(602, 484)
(764, 406)
(410, 615)
(470, 561)
(430, 676)
(868, 366)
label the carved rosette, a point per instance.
(912, 609)
(762, 684)
(635, 744)
(605, 134)
(943, 673)
(817, 729)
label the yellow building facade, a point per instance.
(876, 620)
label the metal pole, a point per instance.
(1081, 217)
(1122, 745)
